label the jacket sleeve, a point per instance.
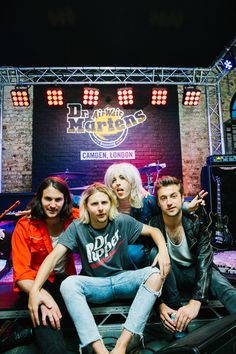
(21, 255)
(204, 262)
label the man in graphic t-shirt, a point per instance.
(101, 236)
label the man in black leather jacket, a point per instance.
(191, 255)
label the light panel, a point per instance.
(191, 96)
(159, 96)
(55, 97)
(20, 97)
(125, 96)
(90, 96)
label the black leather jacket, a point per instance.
(200, 247)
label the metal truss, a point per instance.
(215, 120)
(110, 75)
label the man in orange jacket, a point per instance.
(32, 240)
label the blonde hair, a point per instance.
(92, 189)
(132, 175)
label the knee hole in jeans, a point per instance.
(154, 282)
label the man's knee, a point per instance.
(67, 287)
(154, 281)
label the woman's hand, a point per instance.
(26, 213)
(144, 192)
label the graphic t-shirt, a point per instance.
(103, 252)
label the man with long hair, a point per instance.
(102, 236)
(33, 239)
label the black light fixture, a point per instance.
(191, 96)
(20, 96)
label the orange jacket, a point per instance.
(31, 243)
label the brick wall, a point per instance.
(194, 142)
(16, 146)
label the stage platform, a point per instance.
(109, 318)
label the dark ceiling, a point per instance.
(115, 33)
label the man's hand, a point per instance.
(163, 261)
(36, 298)
(165, 313)
(53, 315)
(197, 201)
(186, 314)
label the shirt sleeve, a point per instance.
(21, 255)
(69, 237)
(134, 228)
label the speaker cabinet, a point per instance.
(217, 337)
(220, 182)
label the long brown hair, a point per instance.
(59, 184)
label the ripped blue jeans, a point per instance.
(79, 290)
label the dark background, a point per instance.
(115, 33)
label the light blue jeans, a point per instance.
(79, 290)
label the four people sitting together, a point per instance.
(132, 245)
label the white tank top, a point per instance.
(61, 265)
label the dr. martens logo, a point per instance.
(107, 127)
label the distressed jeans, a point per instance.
(79, 290)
